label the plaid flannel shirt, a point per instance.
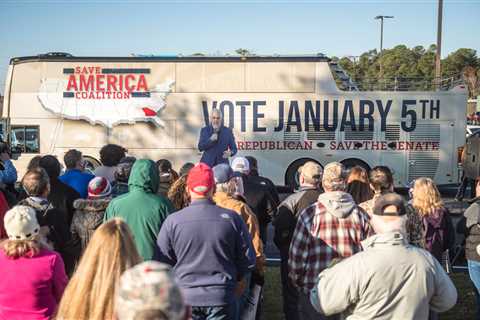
(321, 237)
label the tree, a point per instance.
(411, 68)
(244, 52)
(455, 62)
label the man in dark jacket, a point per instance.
(61, 195)
(209, 248)
(285, 222)
(53, 222)
(216, 141)
(257, 196)
(257, 178)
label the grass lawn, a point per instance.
(464, 310)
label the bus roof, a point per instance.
(61, 56)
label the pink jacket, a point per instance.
(31, 288)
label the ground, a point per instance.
(464, 309)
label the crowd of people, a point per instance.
(134, 239)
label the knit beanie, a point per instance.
(147, 286)
(99, 187)
(21, 223)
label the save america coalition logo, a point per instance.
(106, 96)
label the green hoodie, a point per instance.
(142, 209)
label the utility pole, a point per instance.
(438, 67)
(381, 39)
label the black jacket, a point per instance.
(289, 211)
(470, 226)
(59, 233)
(259, 199)
(268, 183)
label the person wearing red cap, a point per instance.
(209, 249)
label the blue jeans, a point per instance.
(474, 272)
(240, 301)
(226, 312)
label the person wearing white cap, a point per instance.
(257, 196)
(33, 275)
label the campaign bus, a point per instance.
(284, 111)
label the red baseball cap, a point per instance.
(200, 179)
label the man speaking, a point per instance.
(216, 141)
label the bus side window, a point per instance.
(25, 138)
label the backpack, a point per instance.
(438, 232)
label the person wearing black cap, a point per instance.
(390, 279)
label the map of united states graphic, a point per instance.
(105, 108)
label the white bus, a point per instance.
(283, 111)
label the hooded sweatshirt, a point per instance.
(142, 209)
(330, 229)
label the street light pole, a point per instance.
(381, 17)
(438, 69)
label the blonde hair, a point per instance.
(426, 197)
(90, 293)
(177, 194)
(21, 248)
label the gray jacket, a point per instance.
(389, 280)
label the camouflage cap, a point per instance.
(334, 176)
(149, 287)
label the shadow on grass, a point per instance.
(464, 309)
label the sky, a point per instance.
(335, 28)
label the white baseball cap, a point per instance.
(241, 164)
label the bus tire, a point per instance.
(352, 162)
(91, 163)
(291, 176)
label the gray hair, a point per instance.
(227, 187)
(218, 112)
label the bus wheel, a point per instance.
(91, 164)
(352, 162)
(292, 176)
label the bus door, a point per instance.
(431, 152)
